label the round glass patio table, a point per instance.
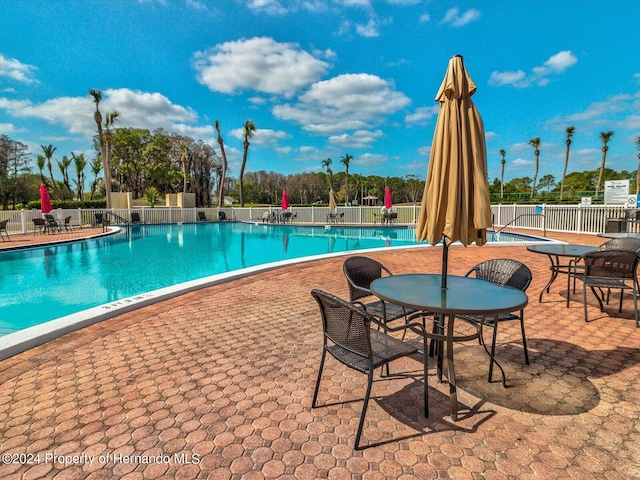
(463, 296)
(558, 255)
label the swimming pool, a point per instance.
(42, 284)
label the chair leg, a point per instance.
(621, 295)
(315, 393)
(364, 409)
(524, 338)
(635, 304)
(584, 300)
(493, 351)
(425, 368)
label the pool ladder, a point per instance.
(544, 222)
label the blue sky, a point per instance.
(325, 78)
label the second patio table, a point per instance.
(463, 296)
(556, 252)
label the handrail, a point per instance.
(117, 217)
(544, 222)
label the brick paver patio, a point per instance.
(223, 378)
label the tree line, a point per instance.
(587, 181)
(153, 163)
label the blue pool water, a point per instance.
(42, 284)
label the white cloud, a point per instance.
(359, 139)
(370, 160)
(137, 109)
(369, 30)
(262, 136)
(522, 162)
(618, 112)
(16, 70)
(558, 63)
(422, 115)
(424, 151)
(344, 103)
(260, 64)
(424, 18)
(7, 128)
(637, 76)
(455, 19)
(507, 78)
(270, 7)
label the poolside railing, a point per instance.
(555, 218)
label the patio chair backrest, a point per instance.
(505, 272)
(344, 324)
(360, 272)
(619, 264)
(630, 244)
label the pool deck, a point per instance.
(228, 373)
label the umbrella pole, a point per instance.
(445, 262)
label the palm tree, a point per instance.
(535, 143)
(605, 137)
(80, 163)
(223, 175)
(106, 160)
(40, 161)
(97, 117)
(346, 160)
(637, 142)
(248, 130)
(48, 151)
(569, 131)
(63, 165)
(96, 167)
(183, 160)
(503, 161)
(326, 164)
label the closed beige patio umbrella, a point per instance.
(455, 203)
(332, 201)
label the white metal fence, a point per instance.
(558, 218)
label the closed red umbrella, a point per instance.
(285, 200)
(45, 201)
(387, 198)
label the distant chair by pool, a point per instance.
(135, 218)
(3, 229)
(202, 217)
(70, 226)
(100, 220)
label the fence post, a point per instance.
(579, 219)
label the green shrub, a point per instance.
(70, 204)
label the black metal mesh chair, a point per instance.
(508, 273)
(349, 338)
(629, 244)
(52, 224)
(3, 229)
(39, 224)
(360, 272)
(610, 269)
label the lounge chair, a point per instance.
(70, 226)
(135, 218)
(202, 217)
(52, 224)
(222, 216)
(3, 229)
